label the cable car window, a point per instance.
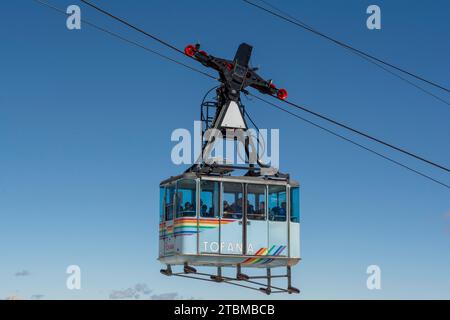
(295, 207)
(168, 210)
(277, 203)
(256, 202)
(232, 200)
(209, 199)
(161, 203)
(186, 198)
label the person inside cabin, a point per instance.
(227, 211)
(187, 209)
(282, 212)
(212, 213)
(237, 206)
(262, 207)
(238, 209)
(204, 210)
(274, 213)
(250, 208)
(259, 213)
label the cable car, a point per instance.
(229, 221)
(210, 217)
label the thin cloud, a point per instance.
(142, 288)
(23, 273)
(165, 296)
(135, 292)
(142, 291)
(129, 293)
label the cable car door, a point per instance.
(231, 229)
(169, 240)
(209, 220)
(256, 223)
(162, 223)
(277, 222)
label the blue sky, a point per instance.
(85, 124)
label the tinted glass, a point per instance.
(161, 203)
(186, 203)
(295, 204)
(232, 200)
(169, 196)
(256, 202)
(209, 199)
(277, 203)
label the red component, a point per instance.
(272, 86)
(282, 94)
(203, 53)
(229, 66)
(190, 50)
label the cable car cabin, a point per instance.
(229, 221)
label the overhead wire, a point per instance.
(350, 141)
(134, 43)
(366, 135)
(290, 103)
(167, 44)
(342, 44)
(372, 61)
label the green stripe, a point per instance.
(268, 252)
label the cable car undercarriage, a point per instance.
(267, 288)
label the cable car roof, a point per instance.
(228, 178)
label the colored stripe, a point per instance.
(188, 226)
(188, 223)
(273, 251)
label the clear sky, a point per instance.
(85, 124)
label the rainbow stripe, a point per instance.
(162, 230)
(165, 231)
(188, 226)
(273, 251)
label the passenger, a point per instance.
(250, 208)
(238, 206)
(226, 207)
(232, 207)
(238, 211)
(262, 207)
(260, 212)
(274, 212)
(204, 210)
(227, 210)
(282, 213)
